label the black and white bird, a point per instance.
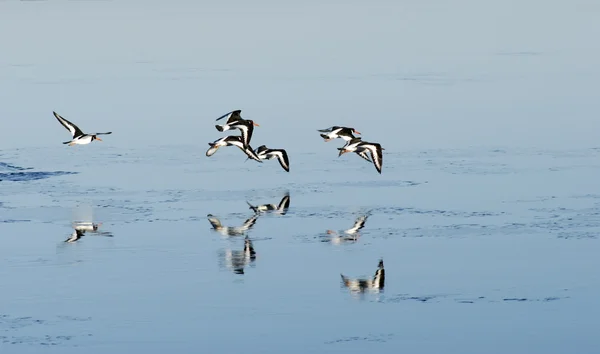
(338, 132)
(232, 140)
(376, 284)
(265, 153)
(79, 137)
(362, 148)
(282, 208)
(231, 231)
(235, 121)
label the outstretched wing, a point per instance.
(282, 156)
(246, 128)
(248, 151)
(364, 154)
(330, 129)
(75, 131)
(376, 155)
(231, 116)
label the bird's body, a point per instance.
(335, 132)
(235, 121)
(362, 148)
(231, 231)
(284, 204)
(265, 153)
(360, 285)
(232, 140)
(79, 137)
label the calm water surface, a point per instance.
(486, 215)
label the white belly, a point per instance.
(83, 141)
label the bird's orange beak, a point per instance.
(255, 124)
(356, 131)
(98, 139)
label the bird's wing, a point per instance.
(327, 130)
(364, 154)
(376, 155)
(75, 131)
(248, 151)
(231, 116)
(282, 156)
(246, 129)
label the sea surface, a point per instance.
(486, 214)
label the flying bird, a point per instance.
(235, 121)
(232, 140)
(265, 153)
(361, 148)
(79, 137)
(338, 132)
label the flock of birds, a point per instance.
(371, 152)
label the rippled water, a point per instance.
(486, 215)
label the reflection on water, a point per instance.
(361, 285)
(280, 209)
(229, 230)
(80, 228)
(347, 236)
(237, 260)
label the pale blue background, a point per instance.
(486, 214)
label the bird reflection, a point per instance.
(350, 235)
(238, 260)
(281, 209)
(228, 230)
(360, 285)
(81, 227)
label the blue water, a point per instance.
(486, 214)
